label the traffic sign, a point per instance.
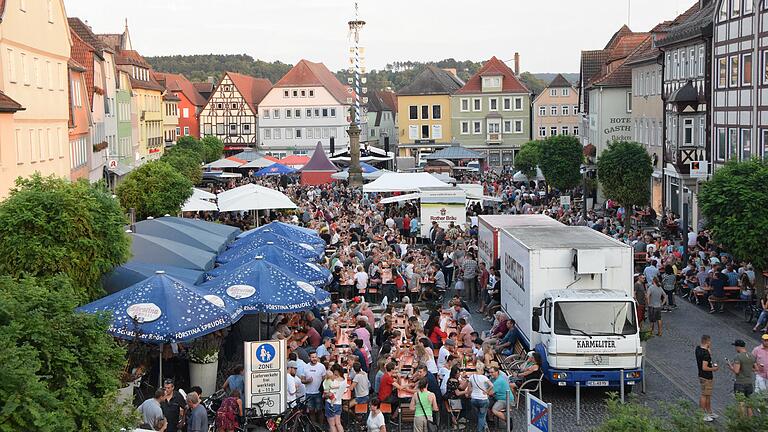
(265, 362)
(538, 414)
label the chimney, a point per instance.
(517, 63)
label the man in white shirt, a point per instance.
(361, 279)
(292, 383)
(447, 349)
(445, 372)
(314, 375)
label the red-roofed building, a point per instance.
(491, 113)
(308, 104)
(231, 114)
(605, 89)
(191, 102)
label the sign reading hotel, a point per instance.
(619, 129)
(265, 375)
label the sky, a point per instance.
(548, 34)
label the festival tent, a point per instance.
(225, 163)
(260, 286)
(198, 204)
(294, 161)
(253, 197)
(258, 163)
(520, 177)
(318, 169)
(148, 248)
(133, 272)
(403, 182)
(223, 230)
(162, 309)
(304, 251)
(202, 194)
(292, 232)
(274, 169)
(185, 234)
(312, 273)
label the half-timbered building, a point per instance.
(231, 113)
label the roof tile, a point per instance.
(307, 73)
(180, 83)
(494, 67)
(251, 89)
(432, 80)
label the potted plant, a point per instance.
(203, 354)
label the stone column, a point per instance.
(355, 172)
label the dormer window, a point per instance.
(492, 81)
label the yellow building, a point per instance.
(171, 130)
(34, 51)
(424, 112)
(148, 99)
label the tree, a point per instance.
(733, 204)
(60, 369)
(185, 161)
(49, 225)
(560, 160)
(154, 189)
(527, 159)
(191, 143)
(534, 84)
(624, 170)
(214, 148)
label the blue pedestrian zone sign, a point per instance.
(265, 353)
(538, 414)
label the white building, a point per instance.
(307, 105)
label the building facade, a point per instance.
(740, 82)
(381, 118)
(190, 104)
(35, 79)
(127, 146)
(491, 113)
(424, 112)
(687, 95)
(306, 106)
(648, 111)
(80, 124)
(231, 113)
(171, 127)
(556, 110)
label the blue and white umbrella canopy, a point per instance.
(260, 286)
(274, 169)
(316, 275)
(162, 309)
(241, 248)
(293, 232)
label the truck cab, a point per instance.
(588, 336)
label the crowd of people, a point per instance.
(348, 355)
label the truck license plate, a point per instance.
(597, 383)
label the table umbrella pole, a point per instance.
(160, 375)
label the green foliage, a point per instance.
(535, 84)
(528, 158)
(200, 67)
(733, 204)
(636, 417)
(154, 189)
(624, 170)
(60, 369)
(185, 161)
(193, 144)
(737, 421)
(560, 160)
(49, 226)
(214, 148)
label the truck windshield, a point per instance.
(595, 318)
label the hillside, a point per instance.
(395, 75)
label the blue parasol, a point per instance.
(295, 233)
(162, 309)
(312, 273)
(243, 247)
(260, 286)
(274, 169)
(133, 272)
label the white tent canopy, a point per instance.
(400, 198)
(402, 182)
(198, 204)
(520, 177)
(203, 195)
(444, 177)
(253, 197)
(257, 163)
(344, 175)
(223, 163)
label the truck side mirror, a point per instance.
(535, 319)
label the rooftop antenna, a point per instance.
(629, 13)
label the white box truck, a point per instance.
(570, 291)
(490, 225)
